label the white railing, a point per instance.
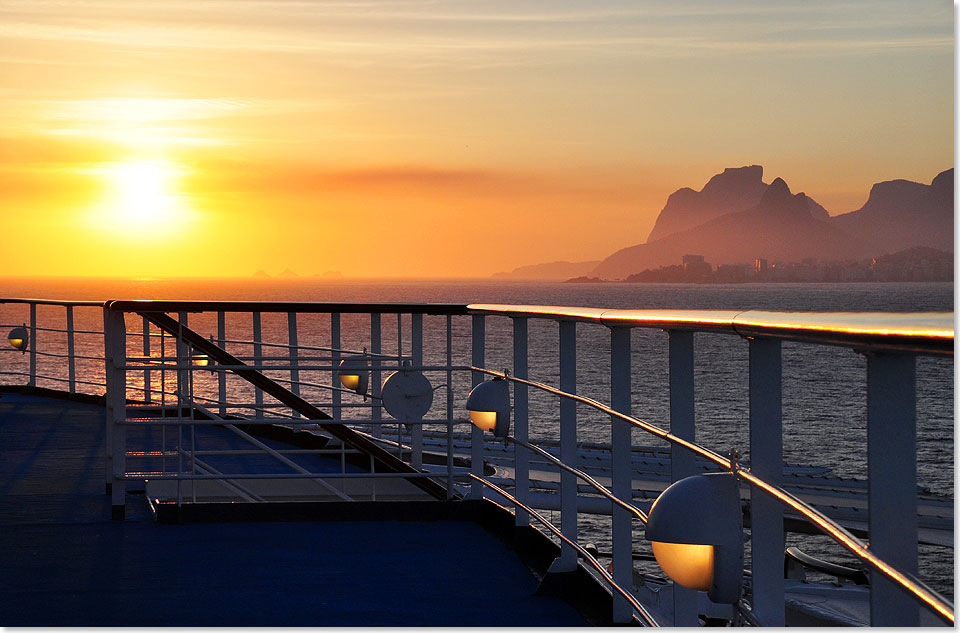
(152, 361)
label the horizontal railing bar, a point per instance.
(65, 331)
(172, 421)
(292, 451)
(281, 306)
(381, 475)
(586, 555)
(913, 586)
(54, 378)
(52, 302)
(911, 332)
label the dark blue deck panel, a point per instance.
(63, 562)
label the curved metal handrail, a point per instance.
(914, 586)
(649, 620)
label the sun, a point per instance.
(142, 195)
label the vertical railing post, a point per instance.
(682, 462)
(477, 359)
(450, 407)
(258, 361)
(621, 447)
(33, 345)
(376, 349)
(766, 462)
(892, 486)
(115, 355)
(294, 353)
(521, 424)
(147, 377)
(222, 375)
(183, 401)
(71, 356)
(568, 444)
(416, 351)
(335, 354)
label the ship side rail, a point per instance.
(175, 366)
(889, 341)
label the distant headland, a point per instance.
(903, 232)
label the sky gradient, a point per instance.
(440, 139)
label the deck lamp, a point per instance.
(18, 338)
(353, 374)
(201, 360)
(696, 530)
(489, 407)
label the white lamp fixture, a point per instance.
(489, 407)
(696, 530)
(407, 395)
(18, 338)
(353, 374)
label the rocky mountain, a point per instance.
(901, 214)
(736, 189)
(781, 226)
(551, 271)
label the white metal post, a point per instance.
(71, 359)
(892, 487)
(450, 407)
(416, 351)
(477, 359)
(147, 378)
(33, 345)
(682, 462)
(335, 345)
(766, 462)
(258, 359)
(521, 424)
(294, 352)
(621, 446)
(568, 444)
(376, 349)
(221, 375)
(115, 356)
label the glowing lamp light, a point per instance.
(489, 407)
(201, 360)
(696, 530)
(18, 338)
(353, 374)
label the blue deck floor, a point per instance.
(63, 562)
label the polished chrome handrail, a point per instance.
(648, 619)
(913, 332)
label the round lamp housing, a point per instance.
(353, 374)
(489, 407)
(18, 338)
(696, 530)
(407, 395)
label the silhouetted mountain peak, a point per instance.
(734, 180)
(778, 191)
(733, 190)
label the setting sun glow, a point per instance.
(142, 195)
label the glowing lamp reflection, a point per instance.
(350, 381)
(484, 420)
(688, 565)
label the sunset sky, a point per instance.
(436, 139)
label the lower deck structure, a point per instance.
(64, 562)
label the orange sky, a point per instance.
(194, 138)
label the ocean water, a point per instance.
(824, 388)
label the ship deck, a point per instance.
(64, 562)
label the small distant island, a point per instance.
(913, 264)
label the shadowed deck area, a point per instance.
(63, 562)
